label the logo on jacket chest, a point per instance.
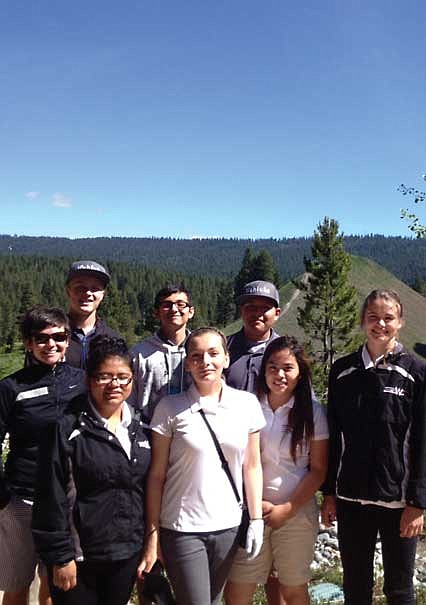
(399, 391)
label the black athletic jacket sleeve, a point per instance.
(335, 439)
(416, 487)
(7, 398)
(53, 539)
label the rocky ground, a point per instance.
(327, 555)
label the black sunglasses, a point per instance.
(43, 339)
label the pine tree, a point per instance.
(28, 298)
(244, 274)
(263, 267)
(225, 308)
(330, 312)
(256, 266)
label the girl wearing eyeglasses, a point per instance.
(102, 450)
(30, 399)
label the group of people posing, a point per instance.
(121, 462)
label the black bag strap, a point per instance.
(223, 460)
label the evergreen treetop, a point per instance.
(329, 314)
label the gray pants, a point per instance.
(198, 564)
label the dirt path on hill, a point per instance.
(294, 296)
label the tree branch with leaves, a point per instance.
(419, 196)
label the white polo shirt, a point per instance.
(280, 474)
(197, 495)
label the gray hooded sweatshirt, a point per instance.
(159, 370)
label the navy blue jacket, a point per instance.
(76, 354)
(245, 363)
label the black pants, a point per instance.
(99, 583)
(358, 526)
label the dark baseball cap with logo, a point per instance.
(88, 267)
(259, 288)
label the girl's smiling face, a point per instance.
(381, 323)
(49, 345)
(281, 376)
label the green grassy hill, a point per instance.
(366, 275)
(10, 362)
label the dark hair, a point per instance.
(40, 317)
(103, 347)
(386, 294)
(171, 289)
(300, 419)
(206, 330)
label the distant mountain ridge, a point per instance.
(403, 256)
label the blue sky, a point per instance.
(225, 118)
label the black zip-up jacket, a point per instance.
(77, 349)
(245, 363)
(377, 423)
(30, 399)
(108, 508)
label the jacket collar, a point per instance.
(388, 358)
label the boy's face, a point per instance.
(85, 294)
(259, 315)
(174, 311)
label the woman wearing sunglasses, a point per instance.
(30, 399)
(102, 449)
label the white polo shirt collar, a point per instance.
(209, 404)
(283, 409)
(121, 433)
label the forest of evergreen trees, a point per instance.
(128, 306)
(404, 257)
(33, 270)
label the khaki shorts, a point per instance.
(289, 550)
(18, 559)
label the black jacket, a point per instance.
(377, 423)
(30, 399)
(77, 350)
(245, 363)
(108, 508)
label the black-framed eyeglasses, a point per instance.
(167, 305)
(122, 379)
(41, 338)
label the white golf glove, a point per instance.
(254, 538)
